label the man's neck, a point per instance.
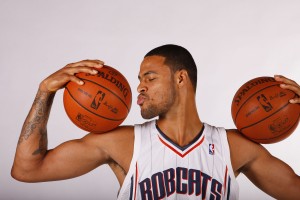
(181, 125)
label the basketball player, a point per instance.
(175, 157)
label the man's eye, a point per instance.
(151, 79)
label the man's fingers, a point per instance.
(285, 80)
(290, 85)
(295, 100)
(85, 66)
(87, 63)
(84, 69)
(76, 80)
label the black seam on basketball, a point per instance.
(249, 98)
(90, 110)
(109, 91)
(262, 139)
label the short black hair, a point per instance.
(177, 58)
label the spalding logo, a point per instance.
(113, 80)
(248, 87)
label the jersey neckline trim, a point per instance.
(181, 151)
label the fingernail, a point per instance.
(98, 65)
(95, 71)
(292, 101)
(81, 82)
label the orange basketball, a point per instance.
(102, 103)
(261, 110)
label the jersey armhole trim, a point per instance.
(226, 155)
(136, 150)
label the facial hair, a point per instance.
(161, 108)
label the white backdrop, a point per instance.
(232, 41)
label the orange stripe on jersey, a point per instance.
(225, 179)
(136, 180)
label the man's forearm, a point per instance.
(34, 129)
(32, 144)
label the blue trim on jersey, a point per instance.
(131, 188)
(228, 187)
(176, 145)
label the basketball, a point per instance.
(101, 104)
(261, 110)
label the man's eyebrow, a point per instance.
(146, 74)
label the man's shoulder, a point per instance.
(242, 149)
(237, 138)
(114, 137)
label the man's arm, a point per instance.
(273, 176)
(268, 173)
(33, 162)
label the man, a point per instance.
(175, 157)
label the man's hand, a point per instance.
(61, 77)
(291, 85)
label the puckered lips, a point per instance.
(141, 99)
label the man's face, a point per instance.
(156, 88)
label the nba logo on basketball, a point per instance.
(211, 149)
(262, 99)
(97, 100)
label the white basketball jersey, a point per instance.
(160, 169)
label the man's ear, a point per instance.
(181, 78)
